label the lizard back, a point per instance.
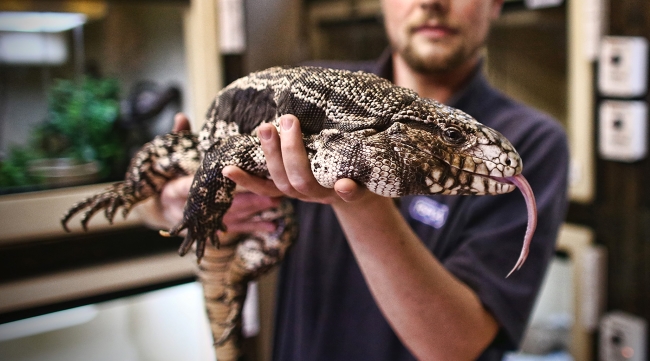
(320, 98)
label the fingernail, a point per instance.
(265, 133)
(226, 173)
(287, 123)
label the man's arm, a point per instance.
(436, 316)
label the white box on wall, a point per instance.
(623, 66)
(623, 128)
(622, 337)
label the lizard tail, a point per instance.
(224, 299)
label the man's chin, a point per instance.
(429, 59)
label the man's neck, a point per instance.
(440, 87)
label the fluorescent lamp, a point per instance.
(40, 22)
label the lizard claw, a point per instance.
(196, 232)
(116, 196)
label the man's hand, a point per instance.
(167, 210)
(290, 170)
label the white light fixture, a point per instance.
(37, 22)
(33, 48)
(33, 38)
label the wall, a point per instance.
(142, 42)
(273, 34)
(527, 58)
(621, 212)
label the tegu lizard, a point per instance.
(355, 125)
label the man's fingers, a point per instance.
(296, 164)
(181, 186)
(173, 197)
(181, 122)
(250, 227)
(245, 205)
(270, 141)
(349, 190)
(257, 185)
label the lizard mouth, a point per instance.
(485, 184)
(520, 182)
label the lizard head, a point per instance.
(456, 154)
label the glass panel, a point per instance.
(80, 94)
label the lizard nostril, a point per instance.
(508, 162)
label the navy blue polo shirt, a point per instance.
(325, 310)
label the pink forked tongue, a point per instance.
(531, 206)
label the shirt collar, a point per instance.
(472, 88)
(384, 65)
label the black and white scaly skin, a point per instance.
(355, 125)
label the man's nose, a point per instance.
(434, 5)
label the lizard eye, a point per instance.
(453, 135)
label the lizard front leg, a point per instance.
(211, 193)
(164, 158)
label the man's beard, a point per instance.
(435, 63)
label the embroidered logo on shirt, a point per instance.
(429, 211)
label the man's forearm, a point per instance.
(436, 316)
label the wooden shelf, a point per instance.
(34, 215)
(91, 283)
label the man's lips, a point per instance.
(434, 31)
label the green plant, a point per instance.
(13, 169)
(81, 124)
